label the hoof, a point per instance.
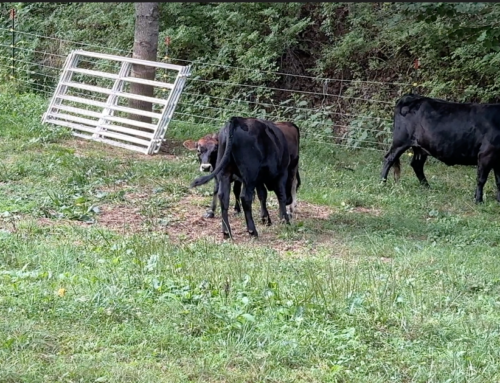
(253, 233)
(266, 221)
(209, 214)
(226, 235)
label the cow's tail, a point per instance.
(225, 158)
(408, 103)
(397, 169)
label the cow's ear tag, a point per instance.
(189, 144)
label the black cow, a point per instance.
(256, 152)
(206, 148)
(454, 133)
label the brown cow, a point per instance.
(207, 146)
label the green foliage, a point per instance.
(240, 49)
(225, 59)
(369, 131)
(45, 33)
(457, 44)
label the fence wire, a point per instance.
(329, 111)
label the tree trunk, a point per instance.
(145, 47)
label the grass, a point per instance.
(398, 282)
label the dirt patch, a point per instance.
(170, 149)
(183, 222)
(190, 225)
(121, 218)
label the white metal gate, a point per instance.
(92, 98)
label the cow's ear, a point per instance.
(215, 136)
(190, 144)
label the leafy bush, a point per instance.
(240, 50)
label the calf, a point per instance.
(454, 133)
(256, 152)
(207, 146)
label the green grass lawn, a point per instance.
(370, 283)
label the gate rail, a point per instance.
(95, 103)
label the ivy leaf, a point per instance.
(482, 36)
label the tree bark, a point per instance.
(145, 47)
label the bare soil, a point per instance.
(186, 223)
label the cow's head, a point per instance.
(207, 151)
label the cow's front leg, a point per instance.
(417, 163)
(213, 205)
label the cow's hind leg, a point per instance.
(293, 206)
(482, 176)
(246, 203)
(291, 187)
(497, 180)
(392, 158)
(484, 166)
(224, 190)
(281, 195)
(237, 193)
(264, 213)
(417, 163)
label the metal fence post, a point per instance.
(13, 30)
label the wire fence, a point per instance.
(340, 112)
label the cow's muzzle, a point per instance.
(205, 168)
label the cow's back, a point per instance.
(259, 144)
(451, 132)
